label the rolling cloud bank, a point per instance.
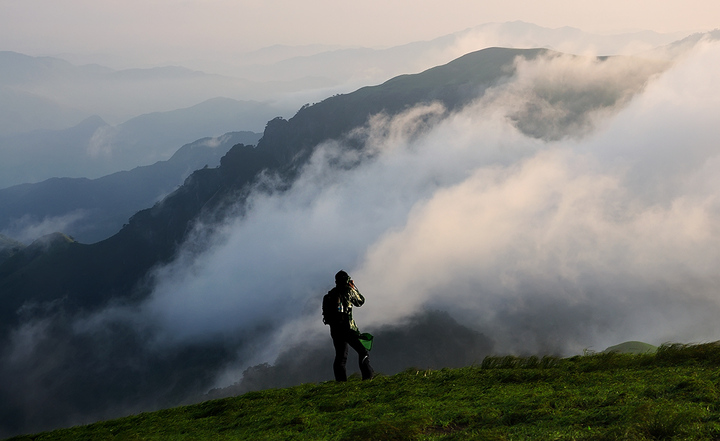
(577, 242)
(524, 223)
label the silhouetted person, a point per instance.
(337, 312)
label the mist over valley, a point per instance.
(503, 201)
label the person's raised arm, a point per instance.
(356, 298)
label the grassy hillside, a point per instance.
(87, 375)
(672, 394)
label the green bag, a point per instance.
(366, 339)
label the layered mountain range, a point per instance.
(94, 148)
(91, 210)
(114, 267)
(56, 281)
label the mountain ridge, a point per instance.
(93, 148)
(97, 208)
(272, 74)
(157, 232)
(97, 286)
(152, 236)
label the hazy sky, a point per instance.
(170, 28)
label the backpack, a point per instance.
(331, 309)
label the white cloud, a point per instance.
(544, 246)
(29, 228)
(573, 228)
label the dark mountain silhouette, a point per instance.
(8, 247)
(91, 275)
(56, 282)
(454, 84)
(103, 205)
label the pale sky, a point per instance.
(171, 27)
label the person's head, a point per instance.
(342, 278)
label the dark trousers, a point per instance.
(341, 340)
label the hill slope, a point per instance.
(671, 395)
(57, 296)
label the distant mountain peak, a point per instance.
(51, 240)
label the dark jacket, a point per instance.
(337, 307)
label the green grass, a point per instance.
(672, 394)
(633, 347)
